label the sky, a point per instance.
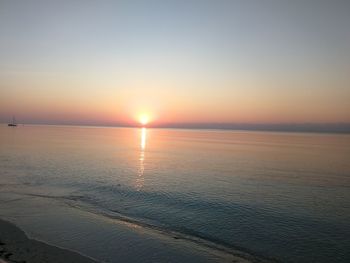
(183, 61)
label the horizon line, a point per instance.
(311, 127)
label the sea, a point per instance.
(177, 195)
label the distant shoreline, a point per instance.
(333, 128)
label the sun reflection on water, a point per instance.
(143, 138)
(140, 179)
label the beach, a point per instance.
(16, 247)
(61, 225)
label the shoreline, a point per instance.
(235, 254)
(16, 247)
(132, 242)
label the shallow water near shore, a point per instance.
(276, 196)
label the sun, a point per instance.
(144, 119)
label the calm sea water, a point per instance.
(284, 196)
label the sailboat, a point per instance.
(13, 123)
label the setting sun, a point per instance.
(166, 131)
(144, 119)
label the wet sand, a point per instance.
(16, 247)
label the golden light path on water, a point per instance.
(140, 179)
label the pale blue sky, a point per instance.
(191, 50)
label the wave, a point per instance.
(216, 247)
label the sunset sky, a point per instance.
(183, 61)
